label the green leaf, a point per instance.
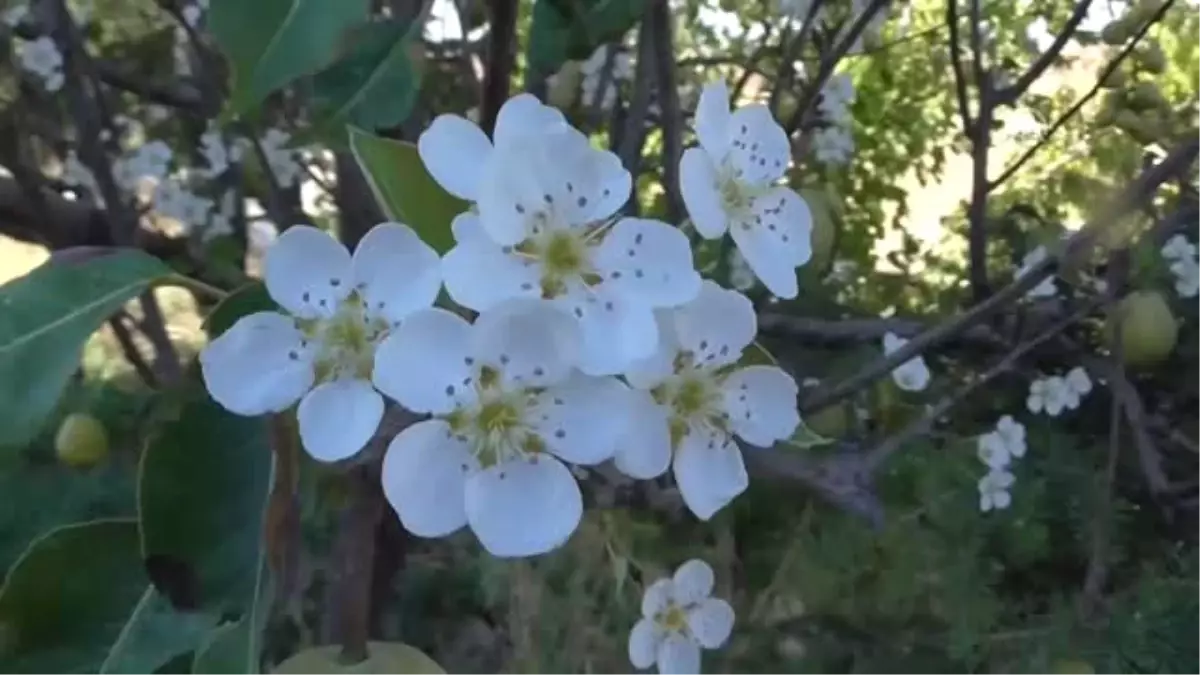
(68, 598)
(404, 189)
(201, 494)
(155, 633)
(383, 657)
(248, 299)
(45, 318)
(269, 43)
(804, 438)
(228, 649)
(564, 30)
(374, 85)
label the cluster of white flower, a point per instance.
(797, 10)
(1056, 393)
(41, 58)
(997, 449)
(282, 160)
(679, 617)
(833, 141)
(1184, 265)
(14, 15)
(912, 375)
(594, 76)
(1044, 289)
(172, 199)
(218, 153)
(148, 162)
(596, 338)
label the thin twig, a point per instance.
(960, 76)
(877, 455)
(668, 100)
(130, 350)
(791, 51)
(1011, 93)
(500, 61)
(634, 133)
(1059, 123)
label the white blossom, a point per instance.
(13, 16)
(1182, 261)
(281, 160)
(1178, 248)
(320, 349)
(543, 227)
(994, 490)
(593, 70)
(730, 183)
(41, 57)
(508, 410)
(693, 401)
(992, 450)
(149, 162)
(1044, 289)
(836, 97)
(1050, 395)
(1078, 385)
(912, 375)
(832, 145)
(218, 154)
(679, 617)
(173, 200)
(1012, 434)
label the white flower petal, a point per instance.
(716, 326)
(582, 419)
(425, 476)
(701, 196)
(645, 450)
(511, 194)
(454, 151)
(678, 655)
(710, 473)
(711, 622)
(648, 260)
(912, 375)
(649, 372)
(466, 228)
(307, 272)
(1001, 500)
(644, 640)
(480, 275)
(395, 272)
(713, 119)
(249, 369)
(530, 342)
(787, 220)
(892, 342)
(771, 264)
(523, 508)
(657, 597)
(585, 184)
(761, 403)
(760, 149)
(524, 115)
(423, 364)
(692, 582)
(615, 330)
(337, 418)
(992, 451)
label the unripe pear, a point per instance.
(1117, 32)
(1147, 328)
(1115, 80)
(1151, 58)
(1072, 667)
(81, 441)
(566, 85)
(1145, 96)
(831, 422)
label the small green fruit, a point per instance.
(1117, 32)
(1151, 58)
(1072, 667)
(383, 657)
(81, 441)
(566, 85)
(1146, 96)
(1148, 330)
(1115, 80)
(830, 422)
(1133, 124)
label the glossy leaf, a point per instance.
(248, 299)
(561, 31)
(405, 190)
(374, 85)
(270, 43)
(154, 633)
(45, 318)
(201, 494)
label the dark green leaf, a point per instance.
(269, 43)
(246, 300)
(45, 318)
(154, 633)
(374, 85)
(571, 30)
(228, 649)
(67, 599)
(203, 486)
(404, 189)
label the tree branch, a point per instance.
(791, 52)
(960, 76)
(1011, 93)
(659, 14)
(500, 60)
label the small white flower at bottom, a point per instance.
(994, 490)
(1044, 289)
(508, 410)
(1012, 434)
(912, 375)
(321, 351)
(679, 617)
(1050, 395)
